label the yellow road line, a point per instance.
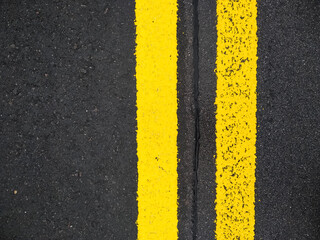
(156, 74)
(236, 66)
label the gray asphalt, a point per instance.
(68, 120)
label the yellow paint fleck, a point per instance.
(156, 74)
(236, 66)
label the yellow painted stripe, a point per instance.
(236, 66)
(156, 74)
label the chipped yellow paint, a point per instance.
(236, 67)
(156, 74)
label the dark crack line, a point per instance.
(197, 111)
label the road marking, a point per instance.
(236, 66)
(156, 74)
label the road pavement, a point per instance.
(68, 120)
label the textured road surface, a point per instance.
(288, 139)
(68, 120)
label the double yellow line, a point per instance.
(156, 74)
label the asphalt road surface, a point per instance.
(68, 149)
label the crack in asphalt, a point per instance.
(197, 112)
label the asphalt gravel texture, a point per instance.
(68, 120)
